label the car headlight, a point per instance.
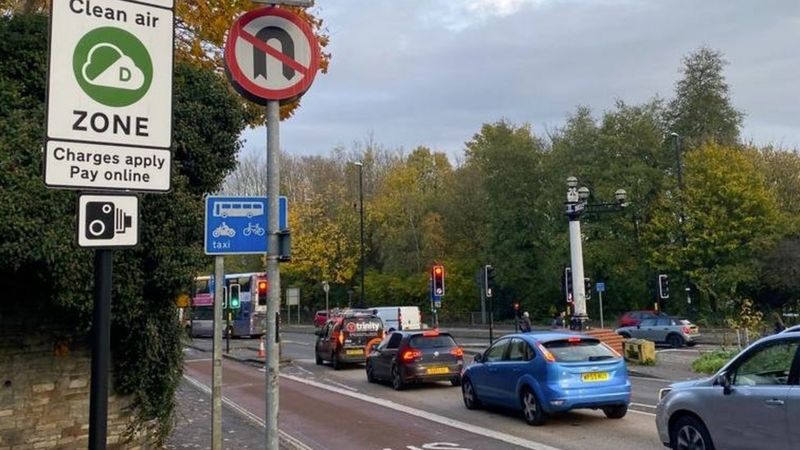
(663, 393)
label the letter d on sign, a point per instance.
(124, 74)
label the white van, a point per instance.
(399, 317)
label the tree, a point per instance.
(702, 108)
(55, 277)
(729, 217)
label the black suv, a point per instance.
(415, 356)
(344, 338)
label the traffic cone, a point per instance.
(262, 353)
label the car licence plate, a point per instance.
(354, 352)
(594, 376)
(437, 370)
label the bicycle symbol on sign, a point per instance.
(253, 228)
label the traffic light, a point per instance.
(587, 287)
(235, 302)
(663, 286)
(567, 288)
(262, 292)
(516, 309)
(438, 280)
(488, 279)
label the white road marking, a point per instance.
(302, 369)
(296, 443)
(198, 360)
(643, 405)
(343, 386)
(642, 413)
(475, 429)
(307, 344)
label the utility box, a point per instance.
(640, 351)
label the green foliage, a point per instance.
(711, 362)
(54, 276)
(702, 108)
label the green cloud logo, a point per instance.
(112, 66)
(114, 69)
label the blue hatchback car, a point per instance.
(545, 373)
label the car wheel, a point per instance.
(468, 392)
(531, 408)
(370, 373)
(616, 411)
(689, 433)
(625, 335)
(675, 340)
(318, 359)
(456, 381)
(397, 381)
(337, 365)
(691, 343)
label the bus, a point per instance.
(248, 320)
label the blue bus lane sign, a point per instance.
(238, 225)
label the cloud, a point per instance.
(108, 66)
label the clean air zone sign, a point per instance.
(271, 54)
(109, 96)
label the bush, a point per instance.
(711, 362)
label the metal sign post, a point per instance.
(216, 376)
(600, 287)
(262, 39)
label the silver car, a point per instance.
(669, 330)
(753, 402)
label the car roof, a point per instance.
(548, 336)
(792, 329)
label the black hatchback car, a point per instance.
(405, 357)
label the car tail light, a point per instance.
(574, 340)
(458, 352)
(431, 333)
(410, 355)
(687, 330)
(546, 353)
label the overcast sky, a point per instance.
(431, 72)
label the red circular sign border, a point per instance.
(238, 77)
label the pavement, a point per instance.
(193, 424)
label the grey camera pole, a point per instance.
(101, 350)
(273, 274)
(216, 382)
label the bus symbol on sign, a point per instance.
(238, 209)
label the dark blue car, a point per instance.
(545, 373)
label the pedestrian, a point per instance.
(525, 322)
(779, 326)
(559, 320)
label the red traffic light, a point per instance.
(262, 287)
(438, 270)
(516, 306)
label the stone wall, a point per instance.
(44, 394)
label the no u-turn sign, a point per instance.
(271, 54)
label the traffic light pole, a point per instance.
(216, 368)
(576, 259)
(101, 350)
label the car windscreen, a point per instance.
(573, 350)
(421, 341)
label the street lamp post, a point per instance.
(326, 287)
(577, 204)
(361, 215)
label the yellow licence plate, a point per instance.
(437, 370)
(595, 376)
(354, 352)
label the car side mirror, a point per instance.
(373, 347)
(638, 327)
(478, 357)
(724, 380)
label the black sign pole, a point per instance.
(101, 350)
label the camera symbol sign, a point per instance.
(108, 221)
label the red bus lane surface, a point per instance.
(322, 419)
